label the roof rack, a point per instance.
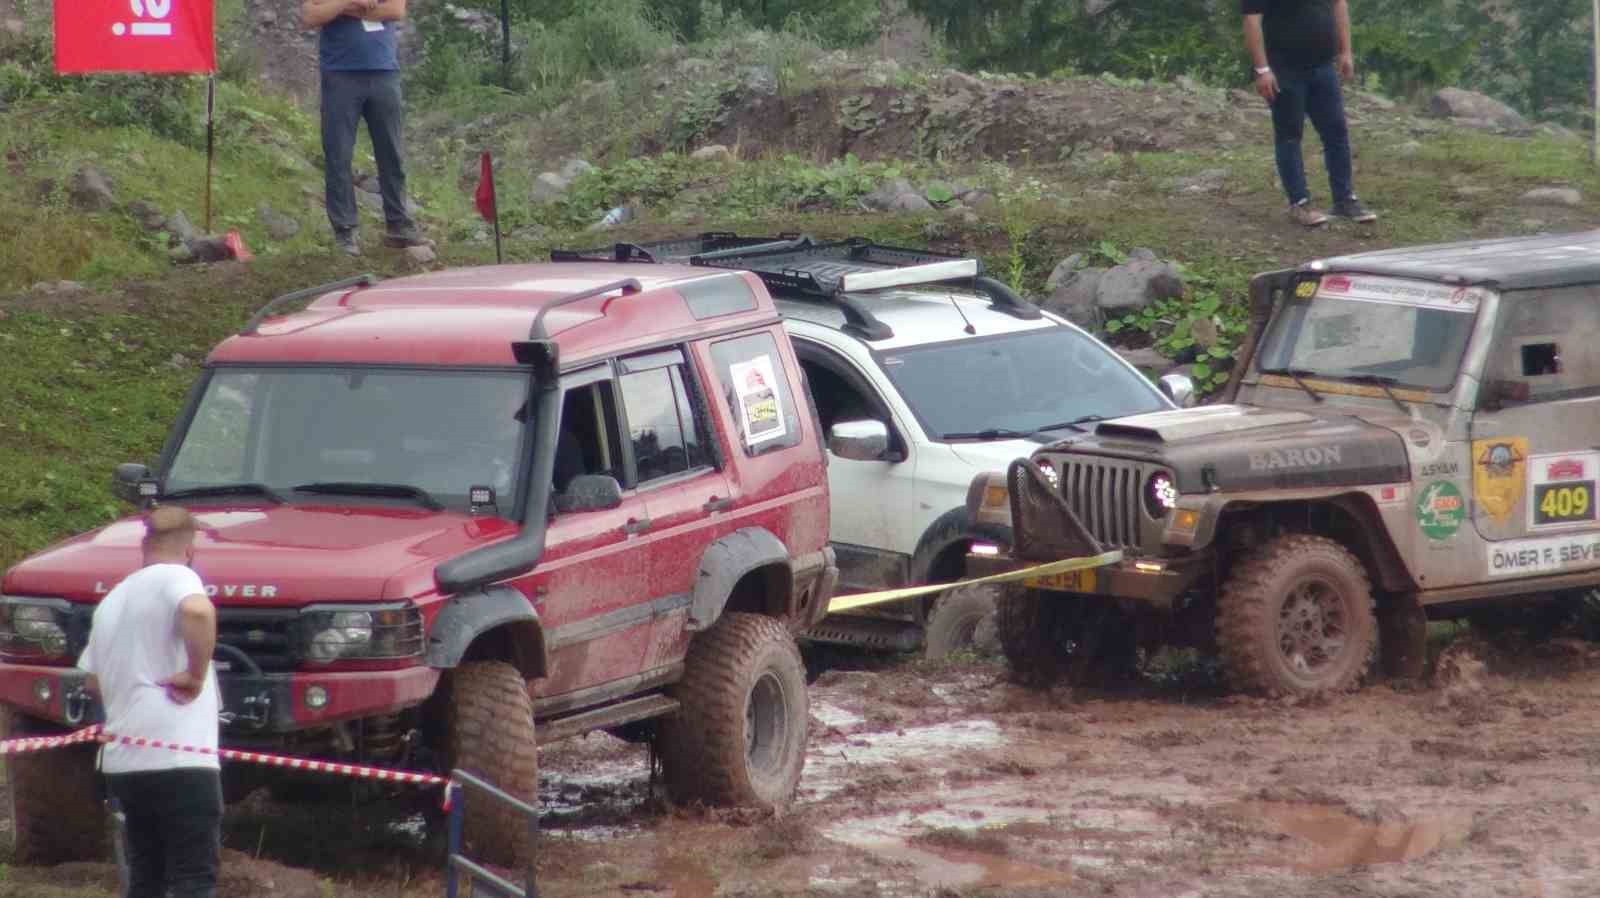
(680, 249)
(360, 280)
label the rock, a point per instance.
(1408, 149)
(278, 225)
(13, 27)
(969, 218)
(179, 227)
(147, 214)
(1211, 180)
(1205, 332)
(267, 17)
(180, 254)
(1244, 97)
(758, 79)
(178, 362)
(573, 169)
(981, 201)
(1378, 102)
(547, 188)
(956, 81)
(713, 153)
(883, 198)
(368, 182)
(208, 249)
(1063, 270)
(910, 202)
(1135, 284)
(420, 256)
(1553, 196)
(1142, 254)
(1147, 359)
(54, 287)
(1453, 102)
(1075, 295)
(90, 190)
(370, 201)
(1186, 83)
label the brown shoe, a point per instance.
(1302, 214)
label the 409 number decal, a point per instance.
(1563, 503)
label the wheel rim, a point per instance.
(1312, 628)
(766, 724)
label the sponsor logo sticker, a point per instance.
(1497, 475)
(1440, 509)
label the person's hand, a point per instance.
(1345, 63)
(183, 687)
(360, 8)
(1267, 86)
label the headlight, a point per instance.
(34, 628)
(385, 633)
(1050, 473)
(1160, 494)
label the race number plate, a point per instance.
(1071, 581)
(1563, 503)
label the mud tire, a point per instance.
(1255, 600)
(740, 736)
(56, 813)
(954, 622)
(1050, 640)
(490, 734)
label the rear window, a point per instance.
(757, 392)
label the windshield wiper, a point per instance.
(993, 433)
(1299, 375)
(228, 489)
(1383, 382)
(1076, 424)
(356, 488)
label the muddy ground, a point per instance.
(949, 781)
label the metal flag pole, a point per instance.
(211, 133)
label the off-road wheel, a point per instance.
(56, 815)
(1049, 639)
(1296, 617)
(740, 736)
(956, 619)
(490, 735)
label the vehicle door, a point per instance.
(677, 473)
(593, 578)
(1536, 437)
(874, 527)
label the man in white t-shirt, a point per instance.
(149, 658)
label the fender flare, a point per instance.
(949, 529)
(724, 564)
(468, 615)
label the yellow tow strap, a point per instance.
(862, 599)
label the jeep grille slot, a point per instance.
(1104, 494)
(266, 636)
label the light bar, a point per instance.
(911, 274)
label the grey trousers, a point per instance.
(347, 98)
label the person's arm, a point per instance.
(1254, 41)
(197, 627)
(1346, 60)
(317, 13)
(386, 11)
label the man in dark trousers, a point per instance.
(1301, 51)
(149, 659)
(361, 80)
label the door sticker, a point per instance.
(1440, 509)
(1562, 487)
(1497, 475)
(1544, 555)
(759, 413)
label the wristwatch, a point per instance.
(1263, 70)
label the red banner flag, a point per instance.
(163, 36)
(485, 195)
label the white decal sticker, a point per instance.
(1400, 291)
(755, 386)
(371, 26)
(1549, 555)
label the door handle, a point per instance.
(715, 504)
(635, 526)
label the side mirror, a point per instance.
(131, 482)
(1179, 388)
(590, 492)
(862, 440)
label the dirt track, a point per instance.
(941, 781)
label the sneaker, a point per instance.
(347, 242)
(1353, 209)
(406, 238)
(1302, 214)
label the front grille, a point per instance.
(267, 636)
(1104, 494)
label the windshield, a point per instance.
(1404, 343)
(1019, 382)
(441, 432)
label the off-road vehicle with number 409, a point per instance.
(1408, 434)
(440, 511)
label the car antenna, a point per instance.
(959, 311)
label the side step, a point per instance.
(607, 716)
(867, 632)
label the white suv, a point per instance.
(924, 374)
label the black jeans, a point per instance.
(1315, 93)
(347, 98)
(174, 831)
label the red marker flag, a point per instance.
(161, 36)
(485, 195)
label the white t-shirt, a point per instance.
(134, 644)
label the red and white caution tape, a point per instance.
(97, 733)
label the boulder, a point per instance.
(368, 182)
(1212, 180)
(279, 226)
(147, 214)
(1135, 284)
(910, 202)
(91, 190)
(573, 169)
(208, 249)
(713, 153)
(1075, 298)
(882, 199)
(547, 188)
(1063, 270)
(1469, 105)
(179, 227)
(420, 256)
(981, 201)
(1553, 196)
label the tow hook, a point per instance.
(76, 704)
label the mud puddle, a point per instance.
(1332, 839)
(931, 749)
(596, 801)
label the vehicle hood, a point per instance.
(275, 556)
(995, 455)
(1239, 447)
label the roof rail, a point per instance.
(628, 286)
(824, 270)
(680, 249)
(360, 280)
(1005, 300)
